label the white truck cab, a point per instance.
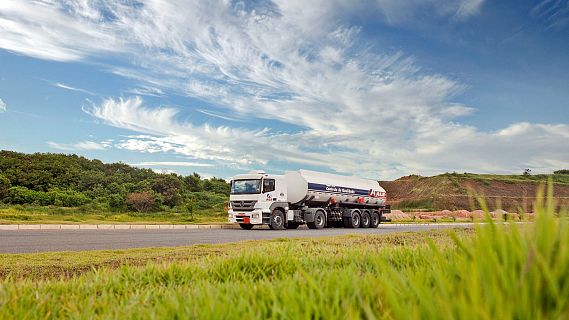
(255, 195)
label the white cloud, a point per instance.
(397, 11)
(146, 91)
(456, 110)
(54, 30)
(67, 87)
(163, 133)
(349, 107)
(164, 171)
(82, 145)
(217, 115)
(2, 106)
(437, 148)
(553, 13)
(172, 163)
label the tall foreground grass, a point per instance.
(502, 272)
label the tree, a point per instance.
(216, 185)
(20, 195)
(141, 201)
(564, 171)
(116, 201)
(4, 186)
(527, 172)
(170, 187)
(71, 180)
(193, 182)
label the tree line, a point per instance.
(48, 179)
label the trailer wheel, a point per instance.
(375, 219)
(246, 226)
(292, 225)
(319, 221)
(352, 221)
(365, 223)
(277, 220)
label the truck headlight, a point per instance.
(230, 216)
(255, 216)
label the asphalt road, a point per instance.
(28, 241)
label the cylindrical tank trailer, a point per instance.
(305, 197)
(318, 187)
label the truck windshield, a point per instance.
(246, 186)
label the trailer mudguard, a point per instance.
(310, 212)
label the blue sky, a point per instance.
(378, 89)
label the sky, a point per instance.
(377, 89)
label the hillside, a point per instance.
(451, 191)
(59, 180)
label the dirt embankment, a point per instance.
(448, 192)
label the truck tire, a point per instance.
(292, 225)
(366, 219)
(277, 220)
(319, 221)
(246, 226)
(353, 221)
(375, 219)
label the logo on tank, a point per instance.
(339, 189)
(376, 193)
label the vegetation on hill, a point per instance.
(58, 180)
(453, 191)
(516, 271)
(33, 185)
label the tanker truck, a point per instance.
(305, 197)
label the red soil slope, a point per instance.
(454, 192)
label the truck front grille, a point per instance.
(243, 205)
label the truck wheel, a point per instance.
(375, 219)
(319, 221)
(246, 226)
(292, 225)
(277, 220)
(365, 220)
(352, 221)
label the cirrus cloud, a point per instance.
(305, 65)
(82, 145)
(450, 147)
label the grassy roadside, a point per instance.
(495, 272)
(39, 215)
(53, 265)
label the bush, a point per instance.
(20, 195)
(206, 200)
(69, 198)
(116, 201)
(564, 171)
(62, 198)
(141, 201)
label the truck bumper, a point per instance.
(251, 217)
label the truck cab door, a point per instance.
(269, 187)
(280, 189)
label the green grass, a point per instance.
(497, 272)
(53, 265)
(412, 205)
(512, 178)
(48, 215)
